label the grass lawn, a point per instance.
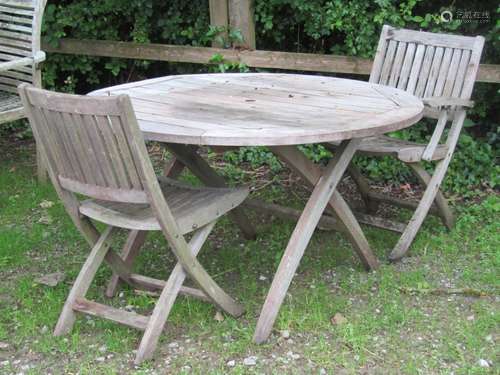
(385, 330)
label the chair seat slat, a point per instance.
(198, 207)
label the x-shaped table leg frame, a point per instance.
(324, 194)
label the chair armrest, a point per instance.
(39, 57)
(439, 101)
(24, 61)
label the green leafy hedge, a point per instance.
(319, 26)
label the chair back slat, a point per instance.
(434, 72)
(397, 65)
(427, 64)
(415, 68)
(406, 66)
(20, 28)
(89, 150)
(131, 168)
(425, 68)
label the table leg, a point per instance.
(315, 206)
(200, 168)
(311, 173)
(173, 168)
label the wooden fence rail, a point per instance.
(252, 58)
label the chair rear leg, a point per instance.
(444, 209)
(130, 251)
(363, 187)
(167, 298)
(83, 281)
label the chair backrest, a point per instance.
(427, 64)
(20, 29)
(93, 145)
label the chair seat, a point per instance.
(406, 151)
(192, 207)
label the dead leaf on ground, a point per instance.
(52, 279)
(338, 319)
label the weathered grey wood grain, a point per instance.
(130, 250)
(168, 296)
(297, 244)
(20, 58)
(82, 282)
(326, 222)
(443, 71)
(241, 18)
(264, 109)
(128, 318)
(219, 18)
(208, 176)
(271, 109)
(258, 59)
(312, 174)
(124, 191)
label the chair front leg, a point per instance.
(168, 297)
(83, 281)
(420, 213)
(444, 209)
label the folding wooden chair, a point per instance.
(94, 147)
(20, 57)
(440, 69)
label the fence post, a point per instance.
(241, 18)
(219, 17)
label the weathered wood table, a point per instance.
(280, 111)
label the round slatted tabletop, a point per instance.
(265, 109)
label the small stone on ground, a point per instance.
(483, 363)
(250, 361)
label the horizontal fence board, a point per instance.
(252, 58)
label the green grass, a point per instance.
(386, 331)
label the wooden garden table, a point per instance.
(279, 111)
